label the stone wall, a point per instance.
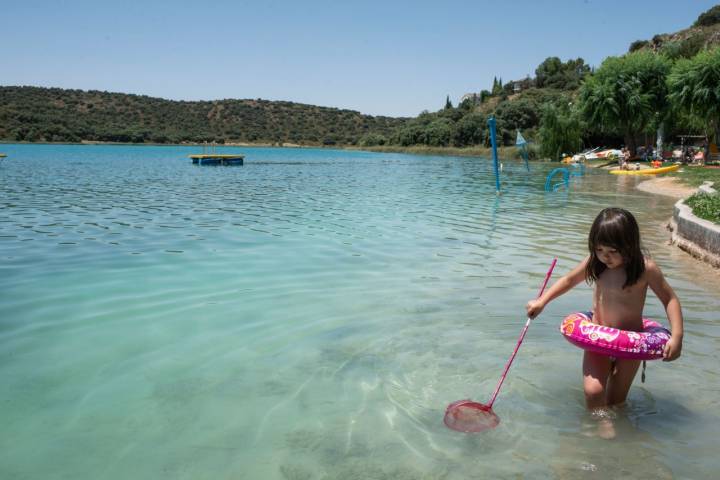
(700, 238)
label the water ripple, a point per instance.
(311, 314)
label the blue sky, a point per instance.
(387, 57)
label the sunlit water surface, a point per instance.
(310, 315)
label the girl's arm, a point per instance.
(663, 290)
(567, 282)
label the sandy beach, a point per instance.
(668, 186)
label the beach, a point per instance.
(667, 186)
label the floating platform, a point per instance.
(216, 159)
(2, 155)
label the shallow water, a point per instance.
(310, 315)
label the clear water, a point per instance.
(310, 315)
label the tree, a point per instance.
(694, 86)
(627, 95)
(497, 86)
(517, 114)
(574, 71)
(469, 103)
(548, 69)
(438, 133)
(553, 73)
(448, 103)
(470, 130)
(560, 131)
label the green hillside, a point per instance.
(668, 84)
(35, 114)
(704, 34)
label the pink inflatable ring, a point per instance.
(579, 329)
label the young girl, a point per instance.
(622, 275)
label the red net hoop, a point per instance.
(470, 417)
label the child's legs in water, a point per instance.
(621, 378)
(596, 370)
(607, 382)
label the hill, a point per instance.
(554, 99)
(36, 114)
(684, 43)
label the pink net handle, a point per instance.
(522, 336)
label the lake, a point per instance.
(310, 315)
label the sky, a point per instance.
(394, 58)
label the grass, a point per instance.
(705, 206)
(503, 152)
(695, 176)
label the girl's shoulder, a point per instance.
(650, 263)
(651, 268)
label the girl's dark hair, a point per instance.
(618, 229)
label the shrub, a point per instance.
(372, 140)
(637, 45)
(470, 130)
(705, 206)
(438, 133)
(686, 48)
(532, 149)
(710, 17)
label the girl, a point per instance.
(622, 275)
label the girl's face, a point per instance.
(609, 256)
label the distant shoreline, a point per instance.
(476, 151)
(503, 152)
(134, 144)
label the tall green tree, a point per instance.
(497, 86)
(560, 131)
(470, 130)
(627, 95)
(550, 68)
(694, 86)
(553, 73)
(448, 103)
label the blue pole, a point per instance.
(491, 124)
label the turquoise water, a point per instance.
(310, 315)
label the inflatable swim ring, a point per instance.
(648, 344)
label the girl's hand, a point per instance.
(672, 349)
(534, 307)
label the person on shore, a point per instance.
(624, 158)
(621, 274)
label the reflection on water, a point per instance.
(312, 313)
